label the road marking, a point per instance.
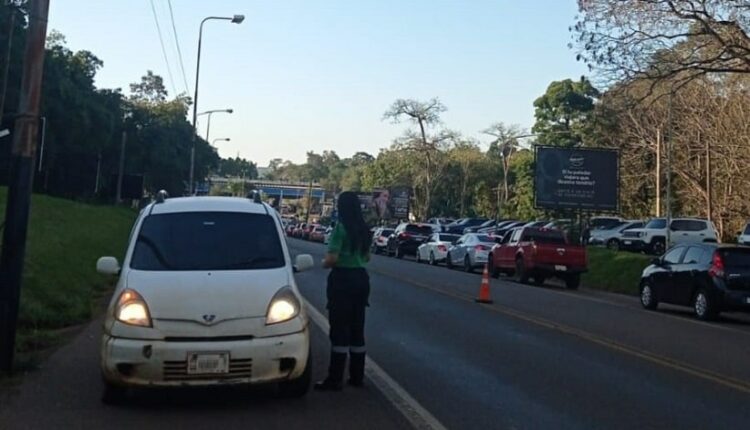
(416, 414)
(670, 363)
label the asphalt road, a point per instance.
(546, 357)
(536, 358)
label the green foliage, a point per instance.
(237, 167)
(618, 272)
(562, 113)
(521, 204)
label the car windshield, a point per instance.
(207, 241)
(545, 236)
(657, 223)
(419, 229)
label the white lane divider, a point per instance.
(416, 414)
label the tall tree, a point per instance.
(505, 146)
(150, 89)
(622, 38)
(425, 141)
(563, 111)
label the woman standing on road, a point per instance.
(348, 292)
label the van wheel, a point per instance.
(658, 246)
(300, 386)
(572, 282)
(113, 395)
(704, 306)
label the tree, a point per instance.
(663, 39)
(238, 167)
(505, 146)
(468, 158)
(425, 115)
(563, 111)
(151, 89)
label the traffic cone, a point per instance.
(484, 289)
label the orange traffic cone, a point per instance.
(484, 289)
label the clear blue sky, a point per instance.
(313, 75)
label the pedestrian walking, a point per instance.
(348, 292)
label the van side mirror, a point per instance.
(303, 262)
(108, 266)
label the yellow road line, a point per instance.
(670, 363)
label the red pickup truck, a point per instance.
(538, 254)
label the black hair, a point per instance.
(350, 215)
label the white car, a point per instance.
(743, 237)
(653, 236)
(611, 236)
(206, 296)
(435, 249)
(470, 251)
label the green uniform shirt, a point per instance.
(339, 244)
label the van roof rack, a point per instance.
(161, 196)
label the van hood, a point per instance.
(189, 295)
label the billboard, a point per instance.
(385, 204)
(577, 178)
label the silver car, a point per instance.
(470, 251)
(612, 236)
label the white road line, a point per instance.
(416, 414)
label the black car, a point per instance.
(459, 226)
(487, 224)
(500, 231)
(710, 278)
(406, 239)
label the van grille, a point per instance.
(238, 368)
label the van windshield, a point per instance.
(207, 241)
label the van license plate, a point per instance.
(208, 363)
(561, 268)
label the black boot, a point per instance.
(334, 381)
(356, 369)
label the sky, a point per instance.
(314, 75)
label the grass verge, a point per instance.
(60, 285)
(617, 272)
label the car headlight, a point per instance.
(641, 234)
(284, 307)
(132, 309)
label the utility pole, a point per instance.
(6, 69)
(669, 167)
(98, 172)
(121, 171)
(658, 172)
(309, 202)
(21, 179)
(709, 197)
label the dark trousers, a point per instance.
(348, 293)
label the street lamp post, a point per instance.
(224, 139)
(211, 112)
(236, 19)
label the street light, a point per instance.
(224, 139)
(236, 19)
(209, 113)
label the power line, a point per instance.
(179, 51)
(163, 50)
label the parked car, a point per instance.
(206, 296)
(611, 237)
(538, 254)
(536, 224)
(318, 234)
(435, 249)
(604, 222)
(743, 237)
(380, 239)
(487, 224)
(305, 234)
(406, 239)
(469, 252)
(442, 223)
(709, 277)
(652, 238)
(458, 227)
(501, 231)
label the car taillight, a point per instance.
(481, 248)
(717, 266)
(442, 248)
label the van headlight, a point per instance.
(131, 309)
(284, 307)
